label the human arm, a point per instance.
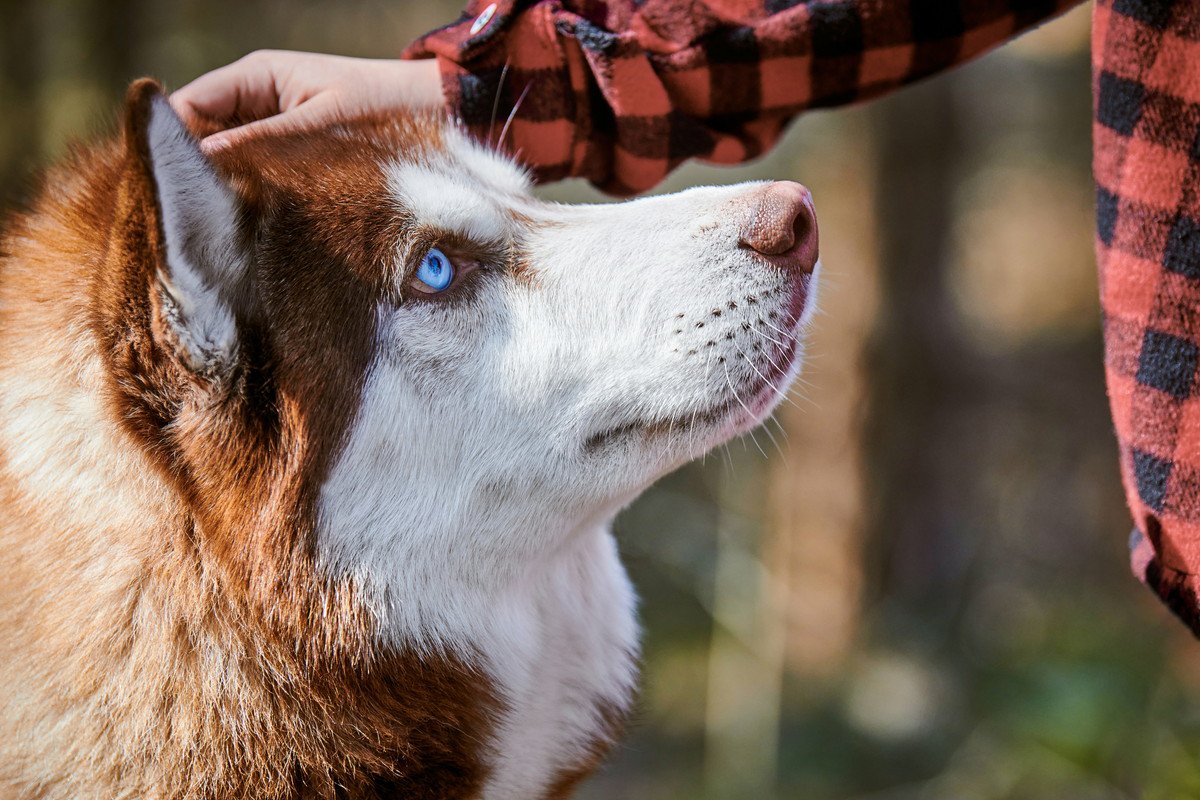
(621, 92)
(278, 91)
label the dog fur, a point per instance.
(277, 526)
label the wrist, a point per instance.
(425, 82)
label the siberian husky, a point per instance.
(309, 454)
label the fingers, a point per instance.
(278, 92)
(310, 114)
(247, 89)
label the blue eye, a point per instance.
(435, 273)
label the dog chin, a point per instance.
(760, 398)
(709, 425)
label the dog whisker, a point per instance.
(781, 332)
(767, 430)
(513, 114)
(766, 337)
(742, 403)
(772, 362)
(728, 458)
(783, 451)
(496, 102)
(764, 378)
(771, 438)
(804, 384)
(704, 387)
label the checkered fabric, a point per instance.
(622, 91)
(1146, 132)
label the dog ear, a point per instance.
(184, 222)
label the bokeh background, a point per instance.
(912, 583)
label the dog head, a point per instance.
(377, 333)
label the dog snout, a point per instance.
(781, 226)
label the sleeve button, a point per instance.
(483, 19)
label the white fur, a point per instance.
(466, 501)
(447, 200)
(497, 174)
(199, 220)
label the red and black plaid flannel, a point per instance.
(623, 91)
(1146, 132)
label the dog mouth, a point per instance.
(741, 404)
(754, 398)
(665, 427)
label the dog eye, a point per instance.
(435, 274)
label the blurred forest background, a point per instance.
(913, 584)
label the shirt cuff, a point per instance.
(510, 82)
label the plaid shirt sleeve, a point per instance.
(623, 91)
(1146, 136)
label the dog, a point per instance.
(309, 452)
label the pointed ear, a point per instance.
(192, 226)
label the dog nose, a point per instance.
(782, 226)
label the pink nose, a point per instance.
(782, 226)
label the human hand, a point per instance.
(277, 91)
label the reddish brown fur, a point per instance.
(221, 664)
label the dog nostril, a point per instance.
(783, 226)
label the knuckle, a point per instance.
(260, 56)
